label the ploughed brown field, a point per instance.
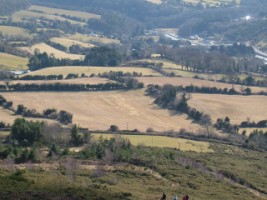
(237, 108)
(99, 110)
(196, 82)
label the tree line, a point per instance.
(152, 65)
(41, 77)
(247, 81)
(249, 124)
(122, 84)
(69, 76)
(226, 126)
(5, 103)
(202, 60)
(168, 97)
(129, 82)
(62, 116)
(26, 135)
(4, 125)
(210, 90)
(96, 56)
(214, 90)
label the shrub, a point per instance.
(113, 128)
(26, 133)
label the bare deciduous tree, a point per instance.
(71, 166)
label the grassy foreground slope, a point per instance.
(160, 170)
(99, 110)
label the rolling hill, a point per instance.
(42, 47)
(98, 110)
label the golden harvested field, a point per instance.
(11, 62)
(237, 108)
(93, 39)
(93, 80)
(42, 47)
(68, 42)
(6, 116)
(163, 141)
(13, 31)
(189, 74)
(88, 70)
(54, 11)
(166, 64)
(50, 29)
(30, 15)
(193, 81)
(99, 110)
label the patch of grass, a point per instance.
(53, 11)
(237, 108)
(193, 81)
(163, 141)
(30, 15)
(159, 170)
(91, 80)
(69, 42)
(11, 62)
(88, 70)
(93, 39)
(42, 47)
(13, 31)
(4, 133)
(244, 164)
(189, 74)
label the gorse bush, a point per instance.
(26, 133)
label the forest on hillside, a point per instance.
(10, 6)
(126, 17)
